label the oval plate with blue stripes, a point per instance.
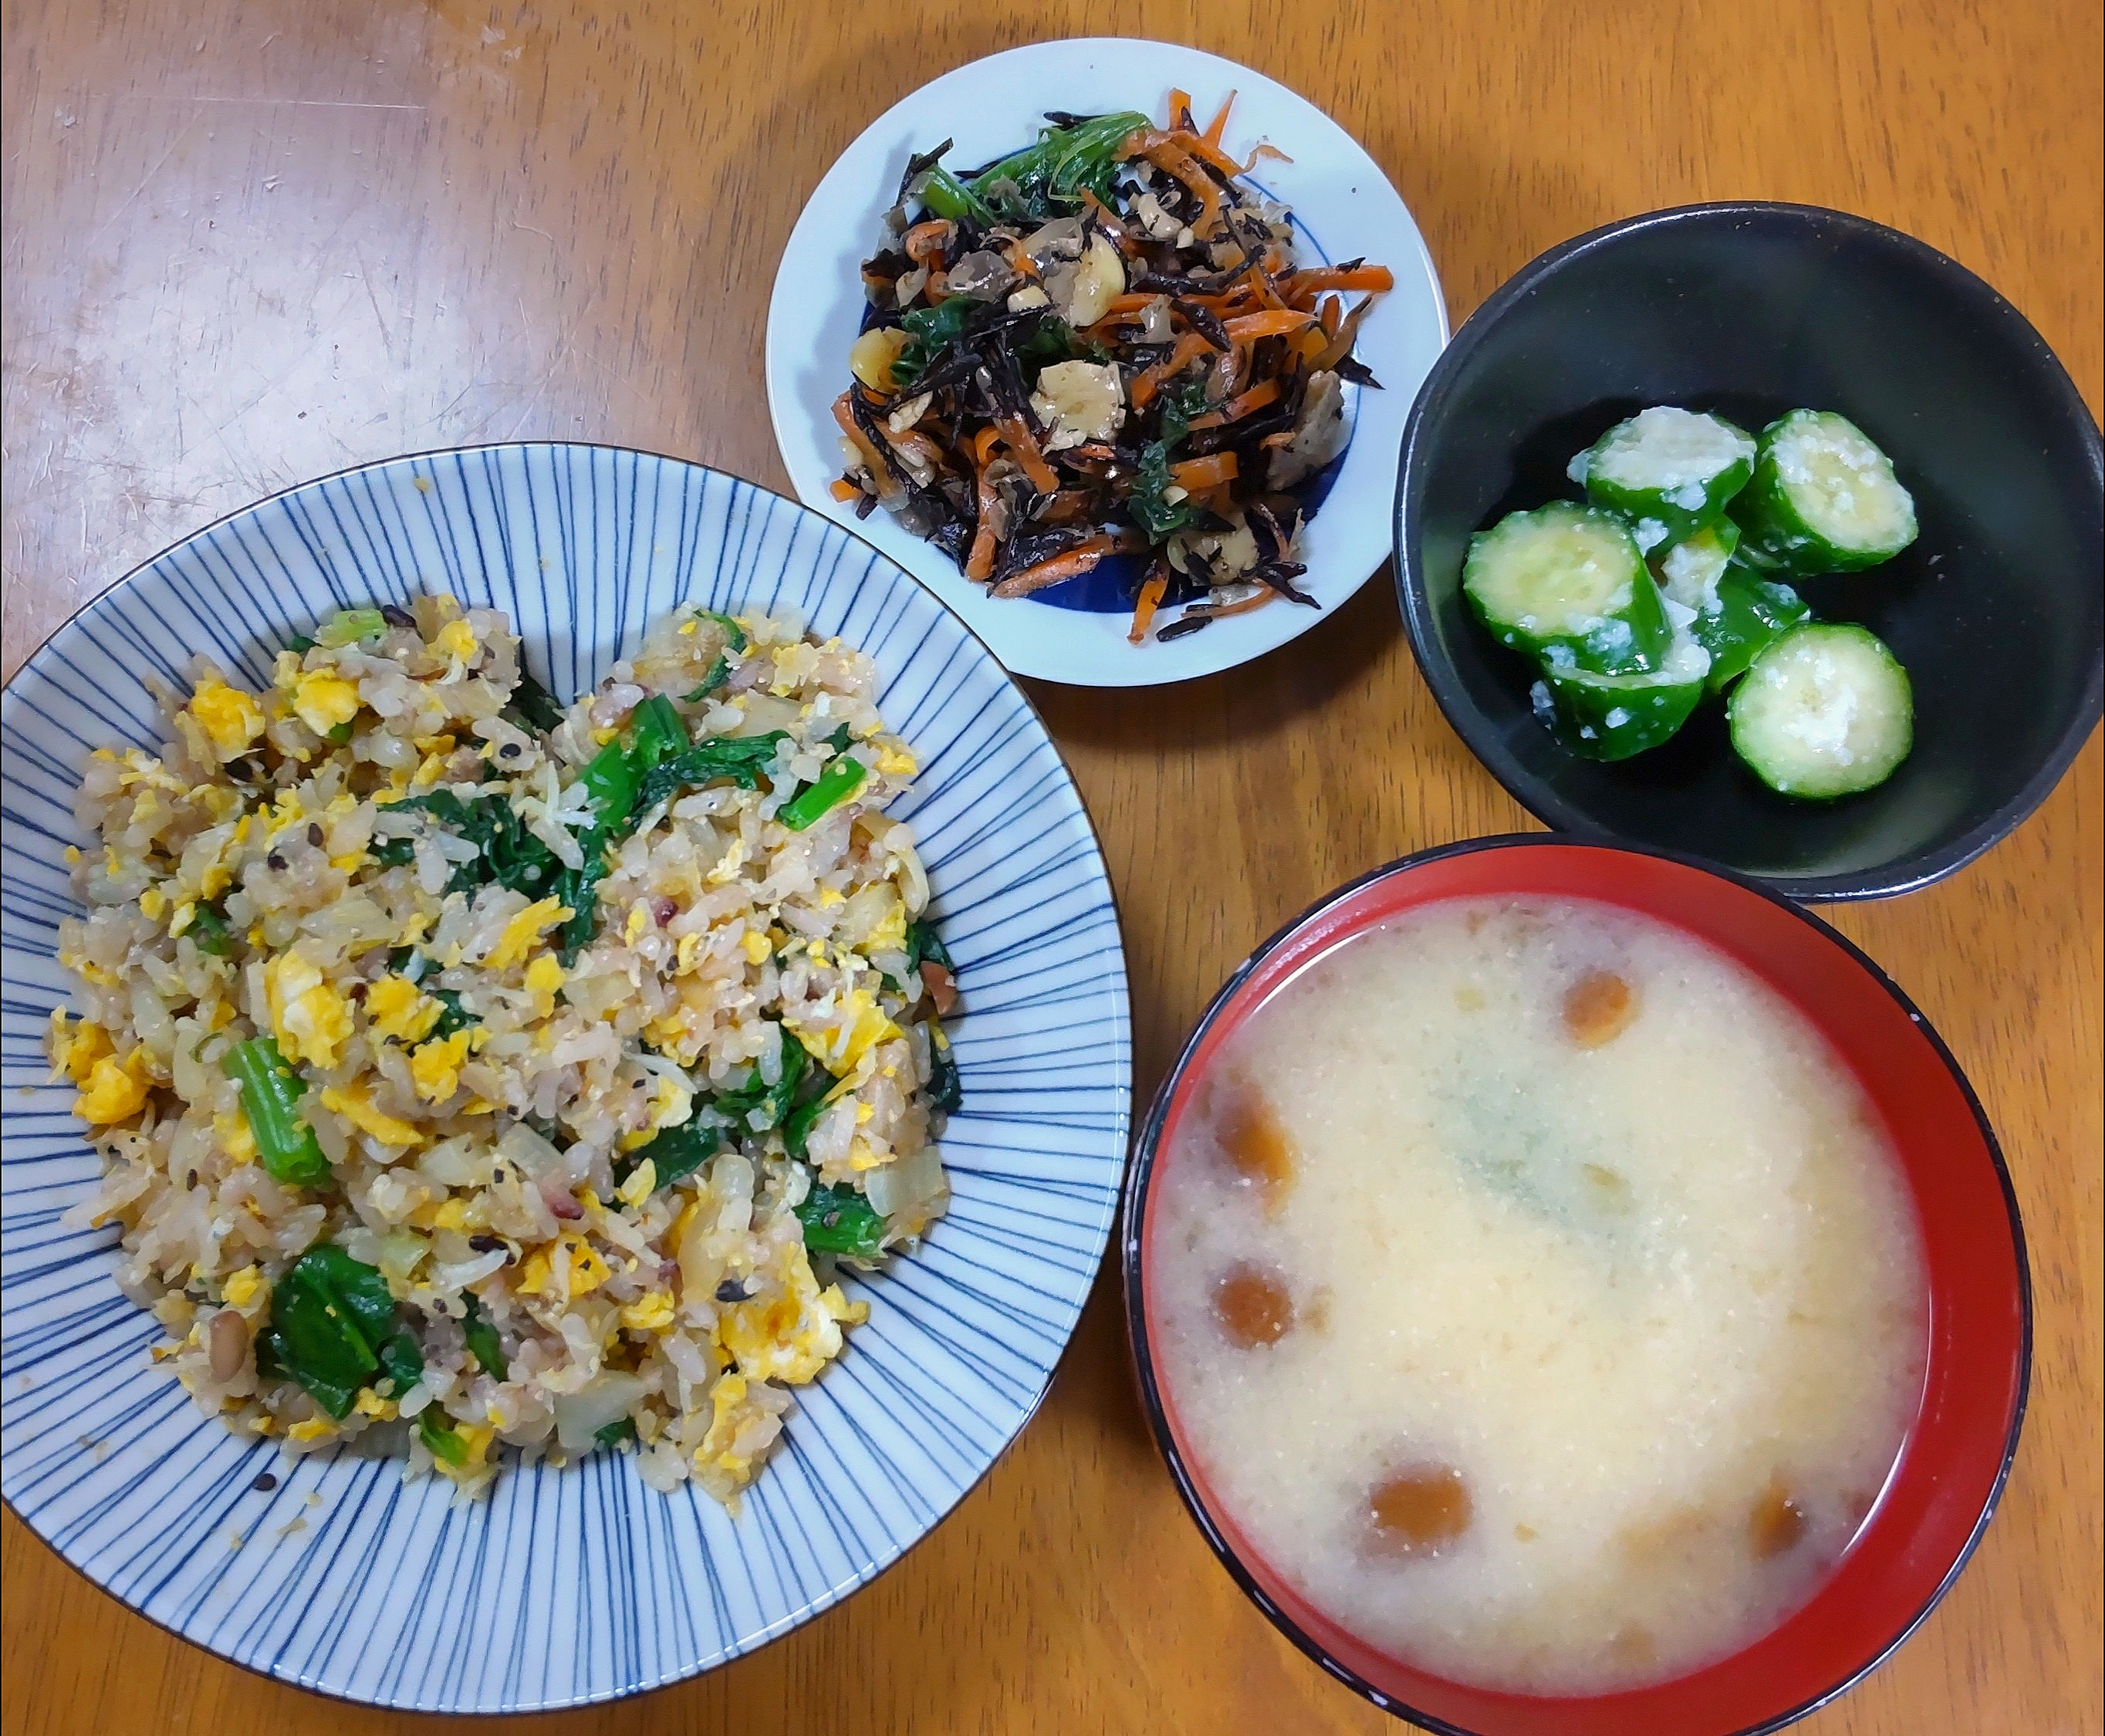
(581, 1584)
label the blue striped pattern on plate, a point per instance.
(580, 1584)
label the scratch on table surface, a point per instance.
(269, 102)
(145, 180)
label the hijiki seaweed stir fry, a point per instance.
(474, 1071)
(1103, 344)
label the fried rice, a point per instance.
(480, 1078)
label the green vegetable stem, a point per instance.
(270, 1092)
(840, 779)
(839, 1220)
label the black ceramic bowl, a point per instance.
(1752, 309)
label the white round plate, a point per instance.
(1343, 208)
(580, 1584)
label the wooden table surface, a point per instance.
(248, 242)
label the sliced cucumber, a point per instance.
(1668, 471)
(1824, 499)
(1565, 583)
(1824, 711)
(1733, 611)
(1612, 717)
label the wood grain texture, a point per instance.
(251, 241)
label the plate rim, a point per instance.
(1107, 1233)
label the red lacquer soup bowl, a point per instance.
(1958, 1449)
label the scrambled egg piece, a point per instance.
(310, 1018)
(523, 930)
(457, 641)
(725, 1400)
(324, 701)
(396, 1007)
(857, 1027)
(315, 1428)
(757, 951)
(671, 1102)
(586, 1270)
(793, 1335)
(153, 905)
(444, 1214)
(648, 1313)
(75, 1048)
(641, 1183)
(435, 1066)
(895, 761)
(230, 720)
(544, 975)
(114, 1091)
(889, 934)
(237, 1139)
(359, 1111)
(242, 1287)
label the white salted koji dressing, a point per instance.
(1633, 1296)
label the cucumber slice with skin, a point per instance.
(1565, 583)
(1613, 717)
(1753, 611)
(1824, 499)
(1734, 612)
(1824, 711)
(1668, 471)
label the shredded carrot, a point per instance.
(1077, 560)
(1378, 279)
(1167, 153)
(1341, 341)
(979, 561)
(1274, 322)
(1245, 605)
(842, 489)
(1219, 124)
(926, 241)
(1260, 154)
(1332, 311)
(1016, 436)
(1143, 609)
(1069, 506)
(1264, 392)
(1180, 103)
(1019, 259)
(1194, 474)
(1208, 152)
(1189, 346)
(846, 417)
(1260, 286)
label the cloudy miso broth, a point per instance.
(1537, 1292)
